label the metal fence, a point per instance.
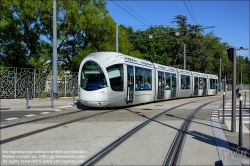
(241, 87)
(14, 81)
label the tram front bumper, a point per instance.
(94, 103)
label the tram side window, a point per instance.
(115, 73)
(168, 81)
(143, 79)
(201, 84)
(212, 83)
(148, 79)
(185, 82)
(139, 78)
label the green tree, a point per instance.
(83, 27)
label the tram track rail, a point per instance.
(39, 119)
(105, 151)
(172, 157)
(50, 127)
(72, 121)
(5, 124)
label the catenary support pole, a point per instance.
(233, 118)
(220, 77)
(116, 38)
(52, 100)
(184, 58)
(54, 87)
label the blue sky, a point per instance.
(230, 18)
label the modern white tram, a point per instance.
(111, 79)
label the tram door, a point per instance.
(196, 86)
(204, 86)
(173, 85)
(161, 86)
(130, 83)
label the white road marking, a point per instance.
(12, 118)
(244, 128)
(30, 115)
(237, 109)
(229, 117)
(44, 113)
(214, 117)
(57, 110)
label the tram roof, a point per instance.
(109, 58)
(212, 76)
(182, 71)
(166, 68)
(199, 74)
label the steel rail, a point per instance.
(48, 128)
(172, 157)
(105, 151)
(57, 125)
(39, 119)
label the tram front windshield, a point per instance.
(92, 77)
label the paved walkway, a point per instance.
(37, 104)
(226, 141)
(233, 137)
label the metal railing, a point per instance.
(14, 81)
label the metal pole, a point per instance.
(233, 119)
(34, 87)
(241, 87)
(27, 105)
(73, 97)
(225, 84)
(64, 86)
(223, 120)
(245, 99)
(15, 81)
(220, 77)
(184, 59)
(116, 38)
(54, 89)
(52, 100)
(240, 123)
(51, 91)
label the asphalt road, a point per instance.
(9, 115)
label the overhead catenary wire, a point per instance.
(193, 12)
(130, 13)
(135, 12)
(189, 12)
